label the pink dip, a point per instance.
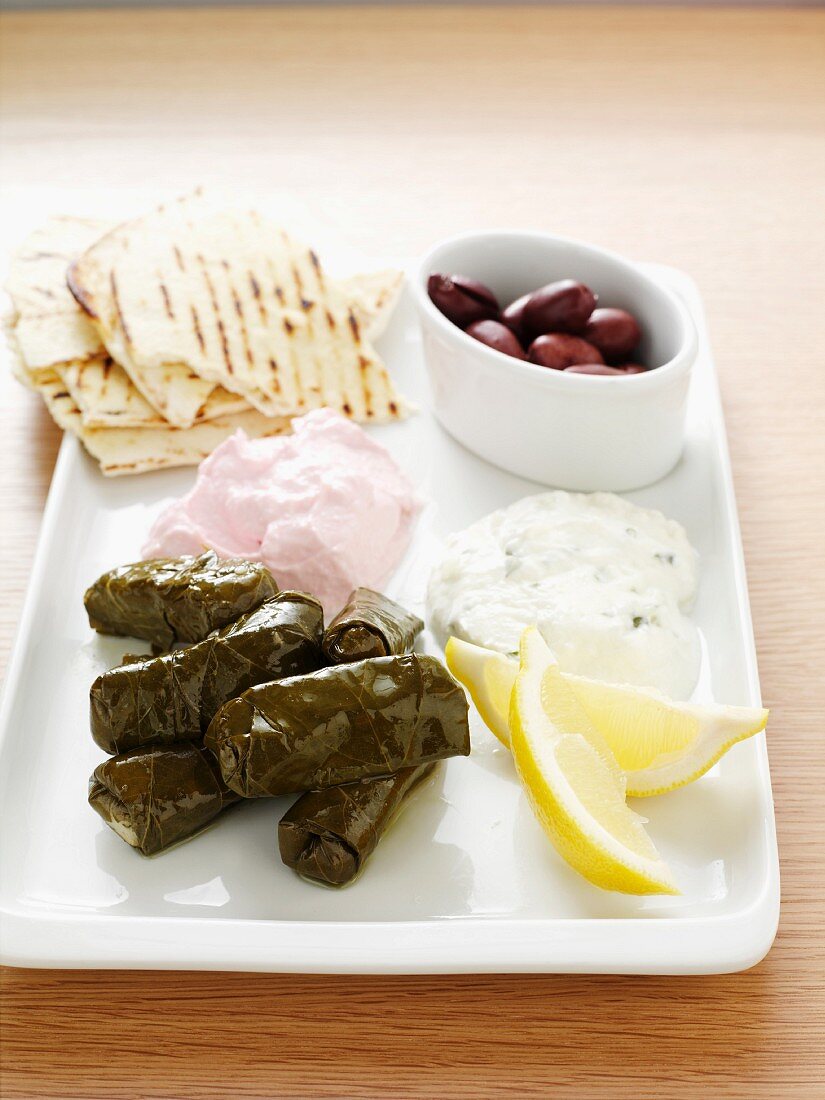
(325, 509)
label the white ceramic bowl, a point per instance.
(574, 431)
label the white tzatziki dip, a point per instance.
(606, 582)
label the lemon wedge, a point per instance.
(661, 744)
(489, 677)
(574, 783)
(658, 743)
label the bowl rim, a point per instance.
(681, 361)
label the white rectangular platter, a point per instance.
(466, 881)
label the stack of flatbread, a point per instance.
(156, 339)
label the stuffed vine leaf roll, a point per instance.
(161, 700)
(370, 625)
(339, 725)
(169, 600)
(153, 799)
(328, 835)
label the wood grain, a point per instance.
(692, 137)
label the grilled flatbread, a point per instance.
(107, 397)
(101, 390)
(37, 274)
(190, 294)
(49, 338)
(122, 451)
(47, 325)
(53, 334)
(373, 296)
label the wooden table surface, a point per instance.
(692, 137)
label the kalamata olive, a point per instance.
(559, 350)
(558, 307)
(461, 299)
(615, 332)
(513, 317)
(594, 368)
(496, 335)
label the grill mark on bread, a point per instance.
(179, 258)
(250, 358)
(345, 399)
(353, 324)
(256, 294)
(167, 302)
(363, 365)
(83, 298)
(227, 357)
(296, 275)
(312, 385)
(321, 351)
(196, 325)
(292, 376)
(239, 313)
(320, 384)
(273, 366)
(238, 340)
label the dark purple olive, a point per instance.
(513, 318)
(462, 300)
(559, 350)
(496, 335)
(615, 332)
(594, 368)
(558, 307)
